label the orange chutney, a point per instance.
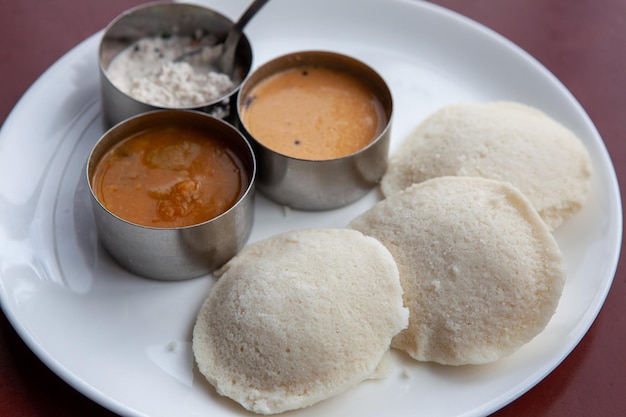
(313, 112)
(169, 177)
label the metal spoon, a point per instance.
(225, 62)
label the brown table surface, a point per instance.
(583, 42)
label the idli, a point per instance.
(481, 272)
(298, 318)
(505, 141)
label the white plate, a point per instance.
(124, 341)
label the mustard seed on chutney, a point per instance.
(313, 112)
(169, 177)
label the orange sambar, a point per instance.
(169, 177)
(313, 112)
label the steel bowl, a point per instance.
(165, 19)
(183, 252)
(319, 184)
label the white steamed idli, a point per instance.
(481, 273)
(503, 141)
(298, 318)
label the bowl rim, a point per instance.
(250, 82)
(156, 4)
(92, 162)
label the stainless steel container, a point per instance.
(175, 253)
(158, 19)
(319, 184)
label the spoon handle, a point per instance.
(227, 59)
(254, 7)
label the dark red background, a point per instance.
(583, 42)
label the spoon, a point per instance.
(225, 61)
